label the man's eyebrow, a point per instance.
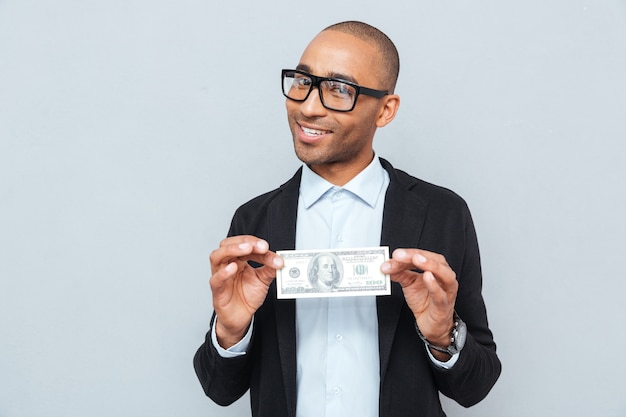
(302, 67)
(343, 77)
(306, 68)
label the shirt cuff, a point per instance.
(237, 350)
(445, 365)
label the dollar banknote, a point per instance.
(333, 273)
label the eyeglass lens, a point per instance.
(334, 94)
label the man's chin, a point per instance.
(310, 158)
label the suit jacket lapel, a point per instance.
(282, 215)
(403, 218)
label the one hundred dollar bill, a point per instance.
(333, 273)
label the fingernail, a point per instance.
(420, 259)
(244, 246)
(261, 244)
(278, 262)
(400, 253)
(385, 267)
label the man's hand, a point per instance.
(239, 289)
(430, 294)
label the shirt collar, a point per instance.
(366, 185)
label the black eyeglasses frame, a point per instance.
(315, 82)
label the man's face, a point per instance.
(327, 269)
(329, 139)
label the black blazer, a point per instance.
(416, 215)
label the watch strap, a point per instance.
(456, 342)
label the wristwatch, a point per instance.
(457, 337)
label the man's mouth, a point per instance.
(313, 132)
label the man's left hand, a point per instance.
(430, 294)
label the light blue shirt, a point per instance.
(337, 338)
(337, 353)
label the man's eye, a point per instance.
(302, 82)
(340, 89)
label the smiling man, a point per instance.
(349, 356)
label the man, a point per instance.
(349, 356)
(325, 275)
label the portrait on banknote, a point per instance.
(325, 272)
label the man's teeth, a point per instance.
(312, 132)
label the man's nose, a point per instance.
(313, 106)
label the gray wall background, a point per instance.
(131, 130)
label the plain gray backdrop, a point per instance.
(131, 130)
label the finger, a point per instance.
(404, 260)
(238, 247)
(225, 271)
(266, 274)
(235, 240)
(242, 245)
(270, 264)
(442, 274)
(436, 292)
(222, 277)
(441, 304)
(410, 259)
(401, 259)
(407, 278)
(269, 259)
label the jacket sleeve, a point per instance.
(224, 380)
(478, 367)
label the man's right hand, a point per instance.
(239, 289)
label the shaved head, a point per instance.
(389, 62)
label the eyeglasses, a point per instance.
(335, 94)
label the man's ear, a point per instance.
(388, 111)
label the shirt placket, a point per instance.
(335, 334)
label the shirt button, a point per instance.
(336, 390)
(339, 337)
(340, 238)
